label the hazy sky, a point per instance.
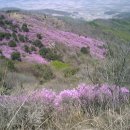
(83, 7)
(40, 4)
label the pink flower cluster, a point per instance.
(83, 95)
(6, 51)
(35, 58)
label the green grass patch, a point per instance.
(59, 65)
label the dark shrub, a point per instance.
(16, 56)
(10, 65)
(38, 43)
(43, 51)
(12, 44)
(14, 36)
(53, 56)
(21, 38)
(26, 38)
(2, 17)
(39, 36)
(7, 22)
(32, 48)
(25, 28)
(85, 50)
(49, 54)
(1, 75)
(4, 35)
(43, 72)
(7, 36)
(14, 28)
(26, 49)
(2, 23)
(1, 53)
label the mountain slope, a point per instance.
(36, 32)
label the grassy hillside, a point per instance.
(63, 74)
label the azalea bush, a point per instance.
(41, 108)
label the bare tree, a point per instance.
(116, 67)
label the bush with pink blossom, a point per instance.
(36, 107)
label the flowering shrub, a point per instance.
(35, 58)
(85, 95)
(66, 97)
(44, 95)
(39, 105)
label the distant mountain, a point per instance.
(123, 15)
(51, 12)
(87, 9)
(10, 9)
